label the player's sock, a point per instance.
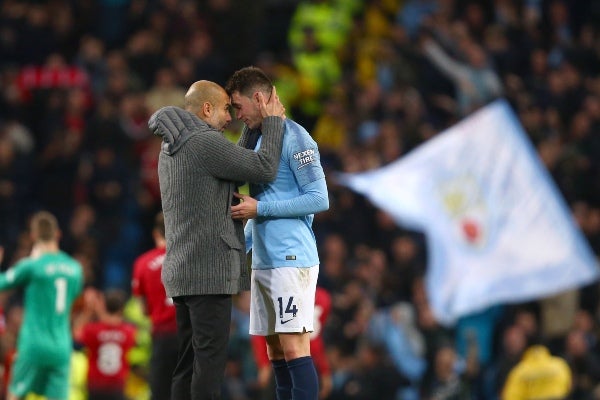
(305, 379)
(283, 380)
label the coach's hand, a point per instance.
(272, 106)
(246, 209)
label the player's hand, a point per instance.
(91, 299)
(246, 209)
(272, 107)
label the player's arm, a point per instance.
(91, 301)
(314, 199)
(16, 275)
(303, 159)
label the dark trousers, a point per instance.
(162, 364)
(203, 330)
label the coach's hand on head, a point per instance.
(272, 107)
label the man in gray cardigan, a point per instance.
(205, 262)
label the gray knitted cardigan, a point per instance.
(196, 168)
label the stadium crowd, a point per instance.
(371, 80)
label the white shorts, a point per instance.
(282, 300)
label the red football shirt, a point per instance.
(146, 283)
(107, 347)
(317, 345)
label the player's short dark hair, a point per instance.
(248, 80)
(44, 226)
(115, 300)
(159, 224)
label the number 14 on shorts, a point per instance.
(290, 310)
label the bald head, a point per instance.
(210, 102)
(201, 92)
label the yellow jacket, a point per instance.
(538, 376)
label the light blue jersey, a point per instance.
(281, 235)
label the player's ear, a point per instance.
(256, 98)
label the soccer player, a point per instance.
(51, 280)
(147, 285)
(107, 341)
(285, 262)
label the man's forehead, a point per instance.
(237, 98)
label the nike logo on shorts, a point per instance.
(286, 321)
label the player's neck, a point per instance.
(45, 247)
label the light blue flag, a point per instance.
(497, 228)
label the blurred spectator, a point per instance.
(476, 83)
(243, 376)
(557, 316)
(331, 129)
(395, 330)
(90, 57)
(110, 22)
(584, 364)
(474, 335)
(448, 379)
(413, 14)
(405, 265)
(350, 314)
(327, 25)
(100, 328)
(165, 91)
(147, 285)
(539, 375)
(12, 320)
(82, 239)
(334, 259)
(525, 318)
(207, 60)
(15, 186)
(513, 343)
(53, 73)
(434, 334)
(319, 69)
(372, 376)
